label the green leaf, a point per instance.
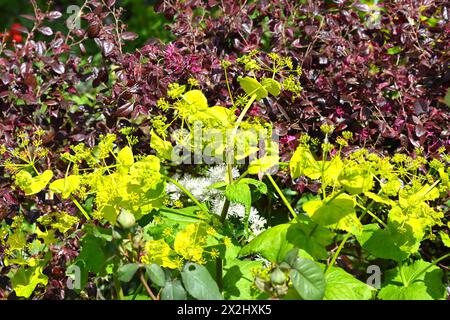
(25, 281)
(445, 239)
(263, 164)
(156, 274)
(252, 86)
(32, 185)
(408, 282)
(163, 148)
(260, 186)
(240, 193)
(271, 85)
(308, 279)
(66, 186)
(331, 210)
(173, 290)
(375, 197)
(126, 272)
(274, 243)
(356, 181)
(92, 257)
(215, 117)
(196, 100)
(394, 50)
(199, 283)
(343, 286)
(238, 276)
(125, 157)
(407, 230)
(303, 163)
(379, 243)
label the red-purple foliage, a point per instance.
(383, 81)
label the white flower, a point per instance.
(257, 224)
(199, 188)
(219, 173)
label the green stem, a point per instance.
(223, 214)
(186, 191)
(280, 193)
(336, 254)
(228, 86)
(118, 288)
(371, 214)
(75, 201)
(219, 272)
(433, 263)
(138, 289)
(337, 194)
(243, 113)
(242, 176)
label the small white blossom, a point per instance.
(199, 187)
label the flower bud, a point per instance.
(126, 219)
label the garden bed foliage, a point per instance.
(322, 172)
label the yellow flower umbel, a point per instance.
(189, 243)
(159, 252)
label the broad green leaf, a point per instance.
(66, 186)
(445, 239)
(408, 282)
(91, 257)
(240, 193)
(163, 148)
(274, 243)
(197, 100)
(216, 117)
(32, 185)
(426, 193)
(156, 274)
(199, 283)
(263, 165)
(379, 243)
(308, 279)
(331, 210)
(25, 281)
(125, 157)
(238, 277)
(377, 198)
(271, 85)
(126, 272)
(183, 216)
(173, 290)
(303, 163)
(252, 86)
(260, 186)
(349, 223)
(271, 244)
(356, 180)
(343, 286)
(407, 229)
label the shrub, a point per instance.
(135, 231)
